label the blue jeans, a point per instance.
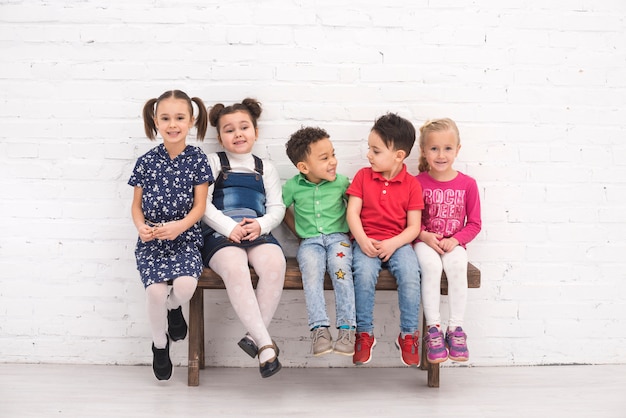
(404, 266)
(317, 255)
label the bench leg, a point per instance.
(433, 369)
(433, 375)
(196, 319)
(201, 326)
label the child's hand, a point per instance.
(168, 231)
(252, 228)
(146, 233)
(369, 247)
(238, 233)
(448, 244)
(432, 240)
(386, 248)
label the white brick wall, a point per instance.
(537, 89)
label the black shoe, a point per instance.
(176, 325)
(251, 349)
(272, 366)
(161, 363)
(247, 345)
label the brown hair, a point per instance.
(149, 110)
(435, 125)
(250, 106)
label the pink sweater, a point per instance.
(452, 208)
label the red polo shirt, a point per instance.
(385, 202)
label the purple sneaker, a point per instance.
(436, 351)
(457, 345)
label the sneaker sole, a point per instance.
(436, 360)
(360, 363)
(321, 353)
(402, 359)
(164, 378)
(344, 353)
(456, 358)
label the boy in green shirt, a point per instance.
(318, 197)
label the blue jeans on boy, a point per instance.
(332, 253)
(404, 266)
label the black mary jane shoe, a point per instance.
(161, 363)
(250, 348)
(247, 345)
(272, 366)
(176, 325)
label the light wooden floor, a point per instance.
(494, 392)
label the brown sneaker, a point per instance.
(345, 342)
(322, 341)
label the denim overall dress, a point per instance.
(237, 195)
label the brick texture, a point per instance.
(537, 89)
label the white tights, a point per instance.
(455, 265)
(159, 299)
(255, 310)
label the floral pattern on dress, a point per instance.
(168, 196)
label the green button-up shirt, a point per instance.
(318, 208)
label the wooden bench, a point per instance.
(293, 280)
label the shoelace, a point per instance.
(457, 339)
(364, 342)
(319, 333)
(436, 341)
(343, 337)
(409, 342)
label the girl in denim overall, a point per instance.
(243, 206)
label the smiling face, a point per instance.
(173, 120)
(440, 150)
(321, 163)
(237, 133)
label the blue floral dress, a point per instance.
(168, 196)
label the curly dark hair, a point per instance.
(299, 144)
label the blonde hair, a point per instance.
(435, 125)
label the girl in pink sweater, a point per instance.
(450, 220)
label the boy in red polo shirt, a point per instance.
(384, 214)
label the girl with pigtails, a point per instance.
(170, 190)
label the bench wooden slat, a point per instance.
(293, 281)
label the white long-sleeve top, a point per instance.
(274, 206)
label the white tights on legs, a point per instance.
(231, 264)
(455, 265)
(182, 291)
(158, 303)
(269, 263)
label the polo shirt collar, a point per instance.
(398, 178)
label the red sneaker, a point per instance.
(363, 348)
(409, 349)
